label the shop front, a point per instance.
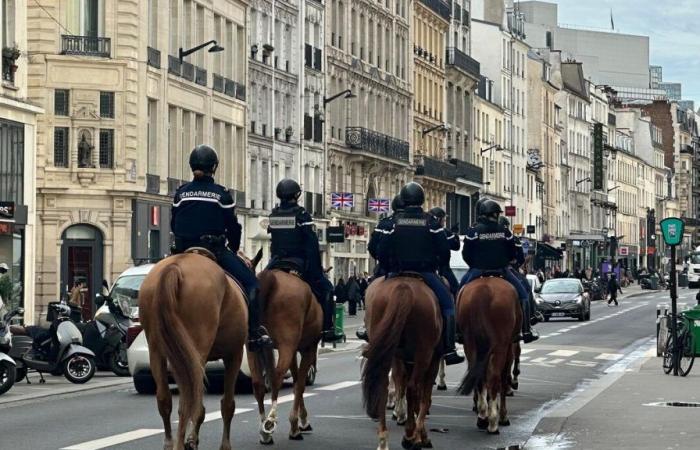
(13, 221)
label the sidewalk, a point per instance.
(626, 409)
(350, 325)
(58, 386)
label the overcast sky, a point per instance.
(672, 25)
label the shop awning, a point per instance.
(546, 251)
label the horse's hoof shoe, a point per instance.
(504, 423)
(427, 444)
(401, 422)
(390, 407)
(306, 429)
(298, 437)
(441, 387)
(493, 432)
(267, 442)
(482, 424)
(407, 444)
(515, 386)
(510, 394)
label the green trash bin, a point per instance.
(340, 319)
(694, 316)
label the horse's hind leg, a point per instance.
(441, 386)
(398, 378)
(298, 416)
(163, 395)
(228, 402)
(513, 384)
(426, 402)
(197, 419)
(494, 383)
(391, 402)
(258, 384)
(304, 424)
(284, 361)
(505, 385)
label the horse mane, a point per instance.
(385, 337)
(172, 336)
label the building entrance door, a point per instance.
(82, 261)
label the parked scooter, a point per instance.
(57, 351)
(106, 334)
(8, 366)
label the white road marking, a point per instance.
(525, 351)
(216, 415)
(338, 386)
(116, 439)
(565, 353)
(286, 398)
(610, 356)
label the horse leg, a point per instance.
(426, 401)
(391, 403)
(516, 366)
(398, 378)
(163, 396)
(197, 419)
(442, 386)
(482, 421)
(283, 362)
(256, 375)
(228, 402)
(505, 385)
(304, 424)
(413, 403)
(494, 381)
(299, 387)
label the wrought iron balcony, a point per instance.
(434, 168)
(440, 8)
(86, 45)
(457, 58)
(612, 119)
(153, 57)
(376, 143)
(468, 171)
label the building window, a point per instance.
(60, 147)
(60, 102)
(107, 105)
(152, 143)
(106, 149)
(85, 17)
(12, 161)
(153, 23)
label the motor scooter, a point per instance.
(8, 366)
(106, 334)
(57, 351)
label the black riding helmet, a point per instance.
(397, 204)
(288, 189)
(204, 158)
(490, 209)
(438, 212)
(412, 194)
(479, 202)
(503, 221)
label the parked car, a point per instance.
(563, 297)
(137, 351)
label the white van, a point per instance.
(457, 264)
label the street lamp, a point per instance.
(613, 188)
(347, 93)
(496, 147)
(584, 180)
(435, 128)
(215, 47)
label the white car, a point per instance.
(534, 283)
(127, 285)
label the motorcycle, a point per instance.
(106, 334)
(57, 351)
(8, 366)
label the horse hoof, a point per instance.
(427, 444)
(515, 385)
(510, 394)
(482, 424)
(401, 422)
(493, 432)
(394, 417)
(298, 437)
(390, 406)
(407, 444)
(504, 422)
(306, 429)
(190, 445)
(441, 387)
(269, 441)
(474, 408)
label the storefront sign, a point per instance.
(510, 211)
(598, 156)
(7, 210)
(624, 251)
(335, 234)
(530, 229)
(518, 228)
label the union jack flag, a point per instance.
(341, 200)
(379, 205)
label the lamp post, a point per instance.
(348, 94)
(215, 48)
(583, 181)
(495, 147)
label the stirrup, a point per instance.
(532, 336)
(361, 334)
(452, 357)
(330, 336)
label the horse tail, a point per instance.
(171, 334)
(385, 337)
(477, 372)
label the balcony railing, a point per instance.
(469, 171)
(459, 59)
(154, 57)
(218, 83)
(612, 119)
(86, 45)
(440, 8)
(434, 168)
(376, 143)
(152, 184)
(200, 76)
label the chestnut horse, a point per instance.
(404, 326)
(489, 316)
(294, 319)
(192, 312)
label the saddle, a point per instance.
(203, 252)
(289, 266)
(407, 274)
(492, 274)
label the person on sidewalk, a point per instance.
(613, 287)
(353, 292)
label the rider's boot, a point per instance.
(258, 337)
(449, 333)
(329, 334)
(528, 333)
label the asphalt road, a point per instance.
(569, 355)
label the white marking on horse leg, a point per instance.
(494, 411)
(482, 404)
(441, 374)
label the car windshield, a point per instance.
(695, 258)
(560, 287)
(127, 288)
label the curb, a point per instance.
(65, 391)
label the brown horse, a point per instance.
(294, 320)
(489, 316)
(192, 313)
(404, 325)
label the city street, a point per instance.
(569, 356)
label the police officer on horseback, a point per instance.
(489, 246)
(417, 243)
(295, 243)
(444, 270)
(203, 215)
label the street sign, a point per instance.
(672, 229)
(335, 234)
(510, 211)
(518, 228)
(530, 229)
(624, 251)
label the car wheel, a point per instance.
(311, 376)
(145, 384)
(588, 313)
(582, 315)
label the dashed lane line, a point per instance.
(599, 319)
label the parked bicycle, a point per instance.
(680, 353)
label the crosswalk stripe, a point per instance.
(338, 386)
(565, 353)
(609, 356)
(116, 439)
(525, 351)
(286, 398)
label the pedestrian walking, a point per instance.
(341, 295)
(353, 293)
(613, 288)
(363, 288)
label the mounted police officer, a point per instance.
(383, 228)
(444, 270)
(490, 246)
(203, 215)
(418, 243)
(295, 242)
